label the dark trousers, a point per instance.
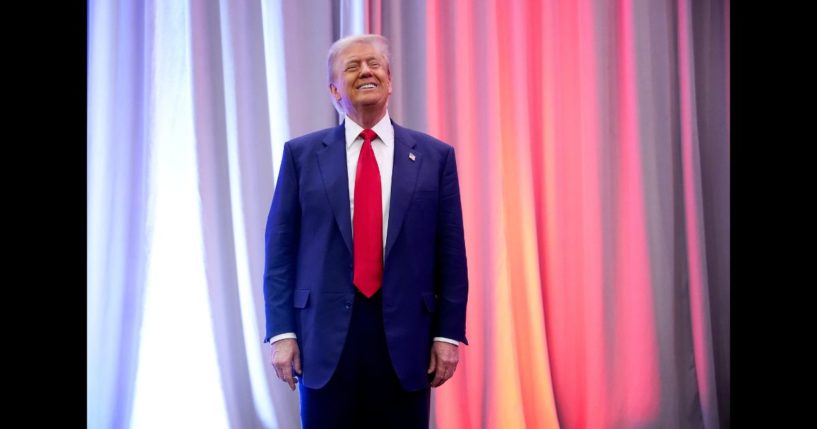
(364, 391)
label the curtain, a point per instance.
(592, 138)
(118, 173)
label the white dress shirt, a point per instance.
(383, 148)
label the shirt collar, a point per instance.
(383, 129)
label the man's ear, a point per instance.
(388, 72)
(334, 91)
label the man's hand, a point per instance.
(285, 356)
(444, 358)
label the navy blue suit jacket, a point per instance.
(308, 271)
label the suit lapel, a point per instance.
(332, 164)
(407, 162)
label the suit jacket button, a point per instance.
(348, 305)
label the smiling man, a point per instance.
(365, 279)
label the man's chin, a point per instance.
(370, 104)
(370, 98)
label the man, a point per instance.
(365, 282)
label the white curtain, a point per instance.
(119, 148)
(200, 84)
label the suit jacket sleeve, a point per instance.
(451, 268)
(281, 238)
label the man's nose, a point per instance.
(365, 70)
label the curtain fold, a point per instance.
(118, 152)
(212, 131)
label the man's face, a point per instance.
(362, 80)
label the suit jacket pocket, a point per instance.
(301, 298)
(424, 194)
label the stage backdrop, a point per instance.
(592, 140)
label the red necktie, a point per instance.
(368, 220)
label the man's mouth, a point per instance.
(367, 86)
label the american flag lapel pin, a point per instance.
(411, 156)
